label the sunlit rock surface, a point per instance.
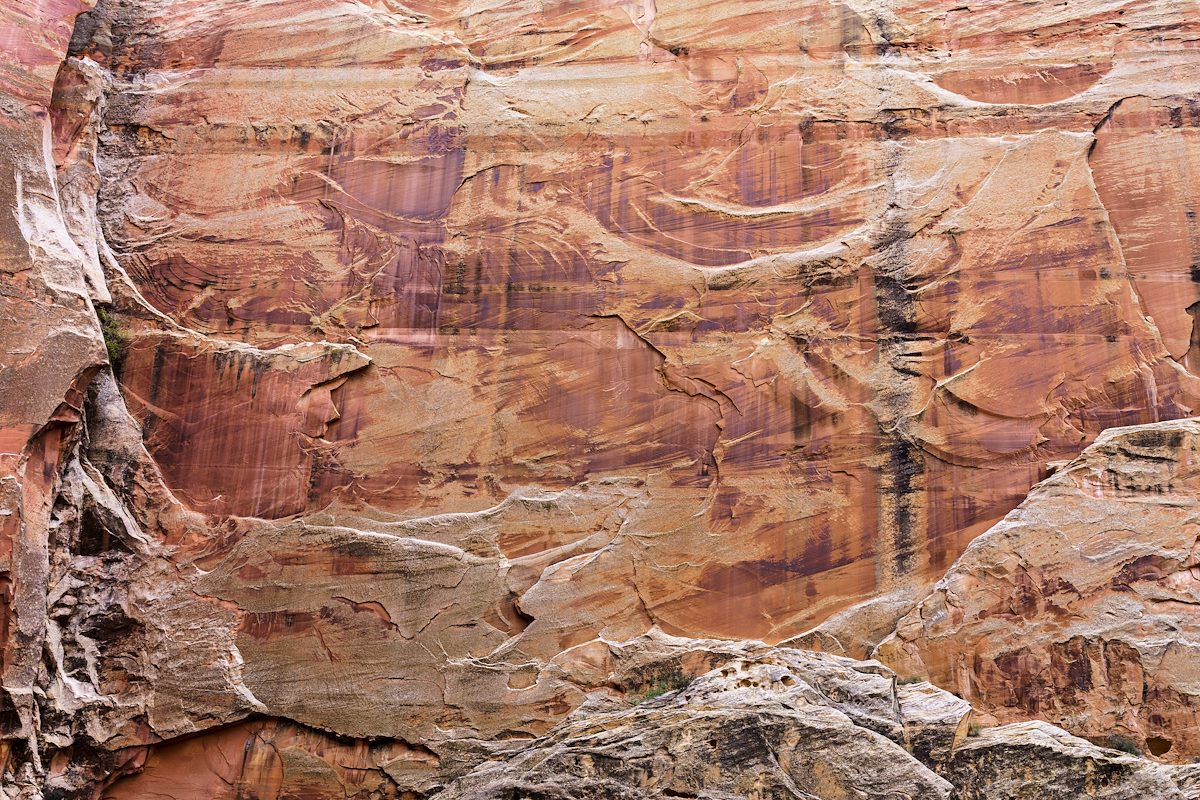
(465, 359)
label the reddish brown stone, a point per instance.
(463, 344)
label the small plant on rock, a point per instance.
(661, 684)
(1123, 743)
(115, 339)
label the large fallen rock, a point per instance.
(783, 723)
(1037, 761)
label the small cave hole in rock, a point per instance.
(1157, 745)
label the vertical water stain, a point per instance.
(900, 494)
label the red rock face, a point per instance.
(281, 407)
(466, 343)
(33, 39)
(269, 759)
(838, 314)
(1153, 209)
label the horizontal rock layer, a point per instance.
(381, 383)
(767, 722)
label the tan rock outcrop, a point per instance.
(1036, 761)
(1080, 607)
(779, 723)
(760, 727)
(767, 722)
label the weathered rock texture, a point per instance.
(1036, 761)
(789, 724)
(785, 724)
(1080, 607)
(51, 350)
(381, 381)
(833, 280)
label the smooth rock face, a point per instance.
(835, 280)
(1080, 607)
(470, 364)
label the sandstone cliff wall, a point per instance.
(453, 350)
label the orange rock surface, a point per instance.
(1080, 607)
(834, 281)
(457, 346)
